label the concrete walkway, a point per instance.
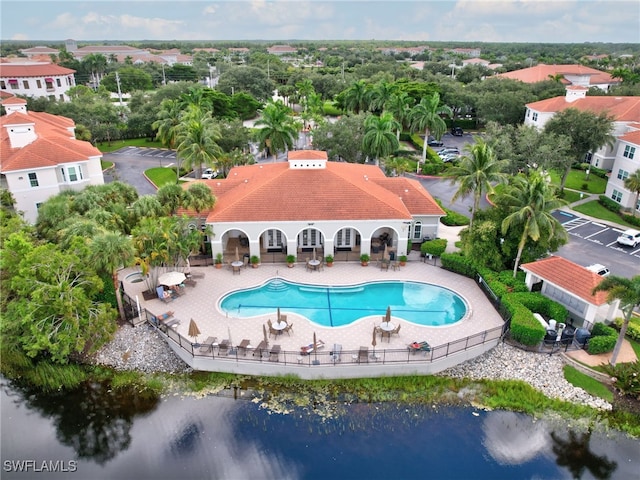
(626, 355)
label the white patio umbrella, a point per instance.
(171, 278)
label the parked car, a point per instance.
(449, 150)
(599, 269)
(209, 173)
(456, 131)
(629, 237)
(449, 157)
(432, 142)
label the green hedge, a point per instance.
(609, 204)
(458, 263)
(464, 123)
(434, 247)
(452, 219)
(603, 339)
(503, 282)
(633, 330)
(631, 220)
(524, 326)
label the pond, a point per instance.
(97, 433)
(335, 306)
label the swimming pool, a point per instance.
(420, 303)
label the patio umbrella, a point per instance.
(314, 253)
(387, 317)
(278, 314)
(171, 278)
(194, 331)
(237, 255)
(315, 350)
(384, 254)
(229, 332)
(374, 341)
(264, 332)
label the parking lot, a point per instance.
(159, 153)
(591, 242)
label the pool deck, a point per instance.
(200, 303)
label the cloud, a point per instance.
(20, 36)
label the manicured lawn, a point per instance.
(134, 142)
(570, 196)
(577, 179)
(105, 165)
(594, 209)
(161, 176)
(587, 383)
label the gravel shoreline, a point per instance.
(141, 348)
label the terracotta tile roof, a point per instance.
(622, 109)
(341, 191)
(542, 72)
(631, 137)
(14, 101)
(34, 70)
(569, 276)
(54, 144)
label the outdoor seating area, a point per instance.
(416, 347)
(307, 349)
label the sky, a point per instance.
(545, 21)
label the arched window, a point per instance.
(417, 231)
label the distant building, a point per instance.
(38, 52)
(623, 157)
(282, 50)
(40, 157)
(37, 80)
(574, 75)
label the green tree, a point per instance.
(399, 105)
(170, 196)
(632, 183)
(199, 198)
(586, 130)
(427, 116)
(379, 137)
(251, 80)
(381, 94)
(343, 139)
(167, 125)
(356, 97)
(131, 79)
(197, 137)
(52, 313)
(278, 129)
(476, 173)
(531, 200)
(627, 291)
(111, 251)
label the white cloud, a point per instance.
(209, 10)
(20, 36)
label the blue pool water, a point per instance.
(420, 303)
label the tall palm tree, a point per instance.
(379, 138)
(356, 97)
(170, 196)
(426, 116)
(198, 197)
(111, 251)
(531, 200)
(476, 173)
(380, 95)
(399, 105)
(627, 291)
(168, 122)
(278, 128)
(197, 137)
(632, 183)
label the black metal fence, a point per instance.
(328, 355)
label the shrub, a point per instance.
(603, 339)
(432, 168)
(524, 327)
(452, 219)
(601, 344)
(633, 330)
(434, 247)
(631, 220)
(627, 377)
(455, 262)
(609, 204)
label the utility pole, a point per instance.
(119, 92)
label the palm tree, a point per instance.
(627, 291)
(111, 251)
(356, 97)
(531, 200)
(148, 206)
(380, 95)
(379, 138)
(198, 197)
(170, 196)
(476, 173)
(632, 183)
(399, 105)
(197, 136)
(279, 129)
(168, 122)
(426, 115)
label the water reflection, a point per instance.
(124, 436)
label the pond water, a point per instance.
(96, 433)
(336, 306)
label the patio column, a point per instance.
(365, 246)
(292, 246)
(328, 246)
(254, 248)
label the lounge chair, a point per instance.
(261, 349)
(224, 347)
(164, 295)
(419, 347)
(244, 346)
(208, 344)
(336, 353)
(157, 319)
(274, 353)
(307, 349)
